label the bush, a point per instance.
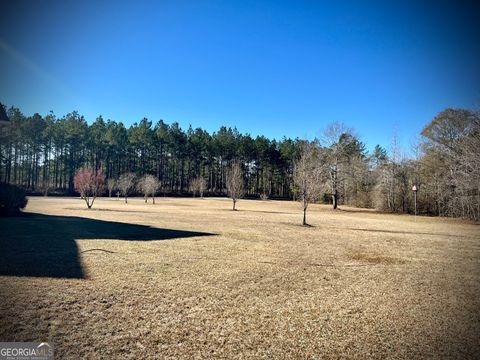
(12, 199)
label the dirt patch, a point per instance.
(375, 258)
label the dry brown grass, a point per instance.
(374, 258)
(355, 284)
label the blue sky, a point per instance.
(272, 68)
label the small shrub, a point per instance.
(12, 199)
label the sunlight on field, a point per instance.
(191, 278)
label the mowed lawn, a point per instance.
(189, 278)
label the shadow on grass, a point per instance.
(44, 245)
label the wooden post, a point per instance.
(414, 189)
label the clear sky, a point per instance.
(267, 67)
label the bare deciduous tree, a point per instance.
(235, 182)
(307, 175)
(149, 186)
(337, 138)
(199, 185)
(89, 184)
(126, 184)
(111, 185)
(453, 143)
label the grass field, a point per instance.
(189, 278)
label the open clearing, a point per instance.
(188, 278)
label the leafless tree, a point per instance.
(126, 183)
(89, 184)
(395, 177)
(149, 186)
(336, 138)
(199, 185)
(453, 145)
(387, 178)
(359, 183)
(156, 187)
(235, 182)
(111, 185)
(307, 175)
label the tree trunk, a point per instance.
(126, 199)
(304, 216)
(234, 202)
(335, 200)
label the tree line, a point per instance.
(43, 153)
